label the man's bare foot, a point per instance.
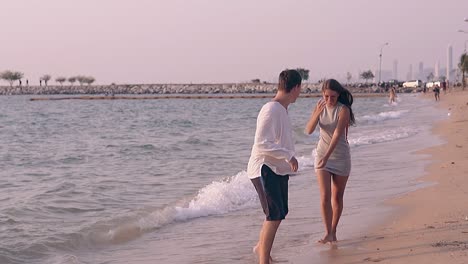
(255, 251)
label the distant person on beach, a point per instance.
(272, 159)
(436, 91)
(444, 86)
(392, 95)
(333, 114)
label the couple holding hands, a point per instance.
(272, 158)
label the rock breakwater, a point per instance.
(165, 89)
(233, 88)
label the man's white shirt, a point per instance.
(273, 144)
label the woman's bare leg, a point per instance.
(338, 189)
(324, 182)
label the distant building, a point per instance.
(426, 73)
(442, 71)
(449, 63)
(376, 74)
(409, 75)
(387, 75)
(421, 75)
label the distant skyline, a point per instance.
(207, 41)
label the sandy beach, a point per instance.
(431, 224)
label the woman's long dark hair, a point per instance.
(344, 96)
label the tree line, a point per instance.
(365, 75)
(13, 76)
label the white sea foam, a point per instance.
(382, 116)
(381, 136)
(219, 197)
(66, 258)
(307, 161)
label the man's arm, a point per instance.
(268, 129)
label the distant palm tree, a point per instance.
(430, 77)
(72, 80)
(89, 80)
(463, 65)
(81, 79)
(60, 80)
(348, 77)
(11, 76)
(46, 78)
(367, 75)
(304, 73)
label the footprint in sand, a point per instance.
(373, 259)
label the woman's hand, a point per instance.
(319, 108)
(314, 117)
(322, 162)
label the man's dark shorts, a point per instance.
(272, 190)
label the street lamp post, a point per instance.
(380, 61)
(466, 32)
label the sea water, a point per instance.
(164, 181)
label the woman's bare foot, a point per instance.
(255, 251)
(327, 239)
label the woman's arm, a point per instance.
(314, 117)
(343, 122)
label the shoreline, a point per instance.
(428, 225)
(431, 224)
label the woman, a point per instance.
(334, 115)
(392, 95)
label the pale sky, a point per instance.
(213, 41)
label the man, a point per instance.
(272, 159)
(436, 91)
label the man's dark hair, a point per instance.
(288, 79)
